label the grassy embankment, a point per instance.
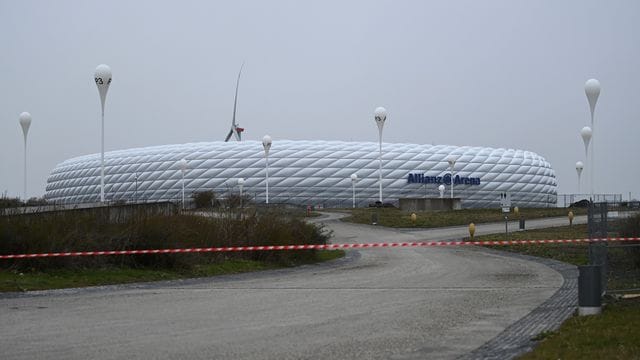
(429, 219)
(101, 230)
(14, 280)
(612, 335)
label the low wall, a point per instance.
(112, 212)
(430, 204)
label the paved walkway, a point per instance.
(517, 339)
(376, 304)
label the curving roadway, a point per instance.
(374, 304)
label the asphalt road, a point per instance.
(380, 303)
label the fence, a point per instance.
(566, 200)
(112, 212)
(620, 262)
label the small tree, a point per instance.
(204, 199)
(8, 202)
(36, 201)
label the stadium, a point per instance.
(308, 173)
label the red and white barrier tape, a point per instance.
(313, 247)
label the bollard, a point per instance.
(472, 230)
(413, 218)
(516, 211)
(589, 290)
(570, 218)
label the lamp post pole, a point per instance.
(183, 167)
(380, 116)
(135, 195)
(266, 144)
(354, 179)
(25, 123)
(592, 90)
(586, 134)
(102, 78)
(452, 162)
(240, 185)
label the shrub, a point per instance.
(7, 202)
(89, 230)
(204, 199)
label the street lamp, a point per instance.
(441, 189)
(182, 164)
(380, 116)
(102, 78)
(354, 180)
(579, 167)
(592, 90)
(451, 159)
(266, 144)
(25, 123)
(240, 185)
(586, 133)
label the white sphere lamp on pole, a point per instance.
(380, 116)
(354, 180)
(102, 78)
(592, 90)
(25, 123)
(586, 134)
(266, 144)
(579, 167)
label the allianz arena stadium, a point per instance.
(308, 173)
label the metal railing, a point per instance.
(620, 263)
(566, 200)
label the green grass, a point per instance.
(72, 278)
(577, 254)
(614, 334)
(392, 217)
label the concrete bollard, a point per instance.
(414, 218)
(472, 230)
(589, 290)
(570, 215)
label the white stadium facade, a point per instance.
(308, 173)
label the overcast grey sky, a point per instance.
(488, 73)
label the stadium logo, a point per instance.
(458, 180)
